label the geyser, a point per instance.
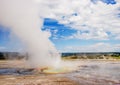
(25, 21)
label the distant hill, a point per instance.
(12, 55)
(93, 55)
(96, 55)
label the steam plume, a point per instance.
(24, 19)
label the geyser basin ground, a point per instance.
(90, 72)
(57, 70)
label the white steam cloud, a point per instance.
(23, 18)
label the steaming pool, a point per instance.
(89, 72)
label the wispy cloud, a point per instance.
(94, 35)
(84, 15)
(98, 47)
(2, 48)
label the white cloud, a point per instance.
(89, 16)
(2, 48)
(117, 37)
(98, 47)
(95, 34)
(83, 15)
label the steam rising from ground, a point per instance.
(26, 17)
(23, 18)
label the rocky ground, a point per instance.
(35, 80)
(19, 73)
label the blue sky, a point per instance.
(71, 36)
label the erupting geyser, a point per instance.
(24, 20)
